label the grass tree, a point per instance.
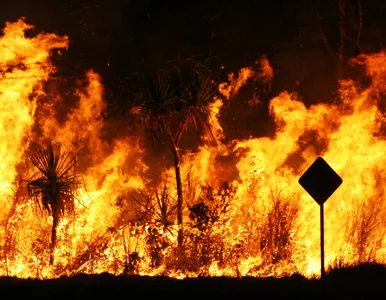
(173, 102)
(157, 207)
(54, 185)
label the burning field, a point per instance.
(79, 196)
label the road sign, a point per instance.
(320, 180)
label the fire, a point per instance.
(244, 211)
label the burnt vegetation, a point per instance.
(181, 226)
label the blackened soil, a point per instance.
(360, 282)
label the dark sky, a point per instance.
(132, 35)
(236, 31)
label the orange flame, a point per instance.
(262, 222)
(25, 66)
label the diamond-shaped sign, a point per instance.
(320, 180)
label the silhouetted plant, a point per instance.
(207, 216)
(132, 265)
(212, 204)
(157, 207)
(277, 233)
(361, 234)
(55, 184)
(157, 242)
(156, 213)
(172, 102)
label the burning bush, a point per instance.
(278, 229)
(208, 216)
(155, 216)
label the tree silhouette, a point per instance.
(351, 30)
(172, 102)
(55, 183)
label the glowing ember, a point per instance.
(253, 220)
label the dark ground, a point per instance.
(361, 282)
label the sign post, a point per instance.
(320, 181)
(321, 240)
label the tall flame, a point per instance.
(245, 213)
(25, 66)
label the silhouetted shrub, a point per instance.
(277, 235)
(207, 217)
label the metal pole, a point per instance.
(321, 241)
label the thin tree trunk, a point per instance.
(342, 38)
(175, 141)
(53, 239)
(176, 156)
(324, 38)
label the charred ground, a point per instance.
(364, 281)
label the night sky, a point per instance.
(118, 38)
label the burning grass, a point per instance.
(229, 208)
